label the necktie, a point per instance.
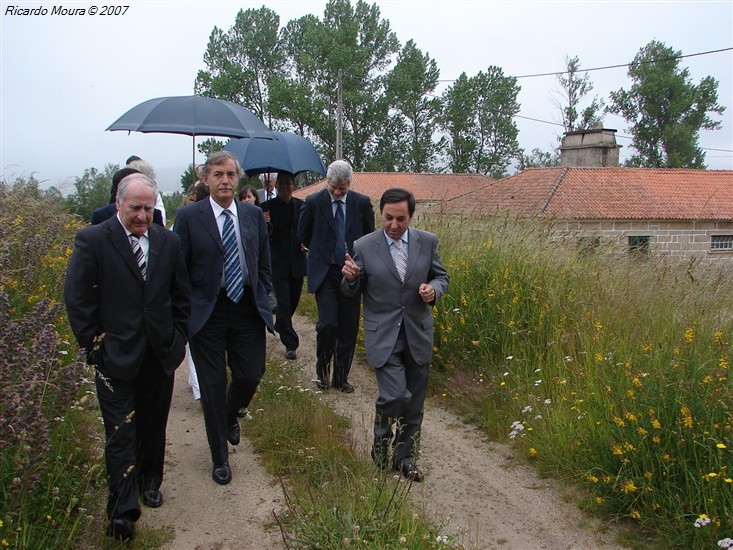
(339, 251)
(233, 278)
(400, 259)
(137, 251)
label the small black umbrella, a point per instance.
(289, 152)
(194, 116)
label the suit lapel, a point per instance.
(121, 243)
(327, 210)
(413, 251)
(155, 240)
(206, 217)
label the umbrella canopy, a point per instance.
(289, 152)
(194, 116)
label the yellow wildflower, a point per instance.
(656, 424)
(635, 515)
(618, 421)
(591, 478)
(719, 446)
(629, 487)
(689, 335)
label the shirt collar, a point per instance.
(127, 231)
(218, 209)
(390, 240)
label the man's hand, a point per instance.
(350, 271)
(427, 293)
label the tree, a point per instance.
(574, 89)
(478, 116)
(92, 191)
(351, 45)
(459, 124)
(409, 87)
(538, 159)
(666, 110)
(241, 62)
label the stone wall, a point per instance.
(676, 239)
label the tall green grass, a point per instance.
(49, 457)
(613, 372)
(334, 497)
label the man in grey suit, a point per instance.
(401, 276)
(330, 221)
(226, 248)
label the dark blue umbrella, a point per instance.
(193, 115)
(289, 152)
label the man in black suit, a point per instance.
(288, 258)
(227, 252)
(105, 212)
(330, 221)
(127, 296)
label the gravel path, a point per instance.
(475, 488)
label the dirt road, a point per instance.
(475, 487)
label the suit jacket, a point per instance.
(104, 213)
(389, 303)
(114, 313)
(262, 195)
(287, 258)
(203, 251)
(317, 230)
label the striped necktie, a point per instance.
(137, 251)
(400, 259)
(232, 268)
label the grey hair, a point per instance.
(141, 166)
(267, 177)
(217, 158)
(122, 189)
(339, 171)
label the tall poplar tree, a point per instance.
(573, 89)
(409, 88)
(241, 62)
(666, 109)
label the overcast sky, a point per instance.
(64, 79)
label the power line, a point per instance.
(557, 73)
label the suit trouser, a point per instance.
(403, 385)
(336, 329)
(234, 333)
(287, 291)
(135, 414)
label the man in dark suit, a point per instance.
(288, 258)
(226, 248)
(105, 212)
(127, 296)
(401, 276)
(330, 221)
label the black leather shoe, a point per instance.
(221, 473)
(346, 388)
(233, 434)
(321, 385)
(408, 469)
(152, 498)
(121, 529)
(291, 355)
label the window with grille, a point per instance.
(721, 242)
(639, 245)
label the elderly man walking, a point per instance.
(330, 221)
(127, 297)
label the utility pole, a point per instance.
(339, 110)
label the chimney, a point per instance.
(590, 148)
